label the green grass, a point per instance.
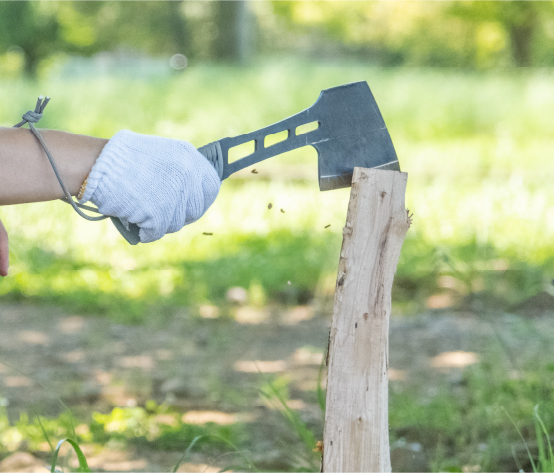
(467, 423)
(477, 148)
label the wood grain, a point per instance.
(356, 435)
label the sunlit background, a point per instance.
(467, 92)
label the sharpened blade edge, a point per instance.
(329, 183)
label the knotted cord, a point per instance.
(32, 117)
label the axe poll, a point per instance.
(349, 132)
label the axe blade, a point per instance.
(356, 135)
(351, 133)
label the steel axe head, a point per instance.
(350, 133)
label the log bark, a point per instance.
(356, 434)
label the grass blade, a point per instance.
(186, 452)
(275, 397)
(522, 439)
(231, 467)
(321, 393)
(546, 464)
(83, 465)
(45, 434)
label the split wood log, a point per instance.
(356, 434)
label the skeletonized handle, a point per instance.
(220, 158)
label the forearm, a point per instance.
(25, 172)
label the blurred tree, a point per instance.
(425, 33)
(232, 20)
(520, 20)
(154, 27)
(388, 33)
(41, 29)
(34, 30)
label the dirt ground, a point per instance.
(205, 364)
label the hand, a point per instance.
(4, 251)
(159, 184)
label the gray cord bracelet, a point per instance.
(32, 117)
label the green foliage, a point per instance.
(161, 428)
(186, 453)
(517, 28)
(48, 29)
(33, 430)
(425, 33)
(28, 27)
(152, 426)
(457, 33)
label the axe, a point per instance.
(350, 133)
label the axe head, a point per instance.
(351, 133)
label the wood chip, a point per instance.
(207, 233)
(269, 206)
(254, 171)
(327, 226)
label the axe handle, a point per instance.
(261, 152)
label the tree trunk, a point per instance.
(521, 38)
(522, 25)
(233, 21)
(177, 26)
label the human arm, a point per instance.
(25, 172)
(158, 184)
(27, 176)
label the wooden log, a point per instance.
(356, 434)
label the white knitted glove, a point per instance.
(160, 184)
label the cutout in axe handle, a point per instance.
(261, 152)
(218, 151)
(350, 133)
